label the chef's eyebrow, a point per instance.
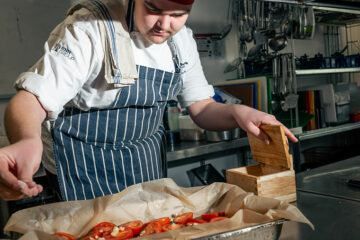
(154, 8)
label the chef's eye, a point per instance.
(178, 14)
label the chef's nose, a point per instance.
(164, 22)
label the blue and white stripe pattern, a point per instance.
(102, 151)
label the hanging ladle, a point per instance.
(278, 43)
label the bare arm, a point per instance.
(20, 160)
(211, 115)
(23, 117)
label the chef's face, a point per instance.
(158, 20)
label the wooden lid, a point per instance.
(276, 153)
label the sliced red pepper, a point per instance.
(209, 216)
(91, 235)
(135, 226)
(104, 227)
(216, 219)
(151, 228)
(66, 236)
(123, 233)
(195, 221)
(163, 221)
(182, 218)
(172, 226)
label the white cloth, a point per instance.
(119, 70)
(71, 71)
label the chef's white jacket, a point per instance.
(71, 71)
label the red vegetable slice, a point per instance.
(135, 226)
(151, 228)
(66, 236)
(209, 216)
(195, 221)
(121, 234)
(172, 226)
(182, 218)
(163, 221)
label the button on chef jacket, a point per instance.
(70, 76)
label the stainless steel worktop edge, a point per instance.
(197, 150)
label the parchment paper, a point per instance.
(151, 200)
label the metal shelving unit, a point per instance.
(328, 131)
(326, 71)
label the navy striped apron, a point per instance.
(103, 151)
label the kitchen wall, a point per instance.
(24, 27)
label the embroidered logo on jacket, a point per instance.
(63, 51)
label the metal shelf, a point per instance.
(328, 131)
(326, 71)
(185, 150)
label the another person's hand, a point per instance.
(250, 120)
(18, 163)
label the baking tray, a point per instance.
(264, 231)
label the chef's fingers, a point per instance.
(9, 194)
(7, 178)
(34, 189)
(14, 188)
(257, 132)
(30, 188)
(290, 135)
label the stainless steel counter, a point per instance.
(331, 179)
(328, 202)
(185, 150)
(333, 218)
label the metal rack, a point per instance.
(326, 71)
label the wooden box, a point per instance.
(274, 176)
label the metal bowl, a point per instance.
(218, 136)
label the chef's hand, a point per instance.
(250, 120)
(18, 163)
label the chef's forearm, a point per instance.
(211, 115)
(23, 117)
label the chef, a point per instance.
(91, 108)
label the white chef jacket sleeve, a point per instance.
(195, 86)
(68, 61)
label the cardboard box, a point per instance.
(274, 176)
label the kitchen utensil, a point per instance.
(284, 76)
(275, 101)
(278, 43)
(233, 65)
(254, 52)
(260, 39)
(218, 136)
